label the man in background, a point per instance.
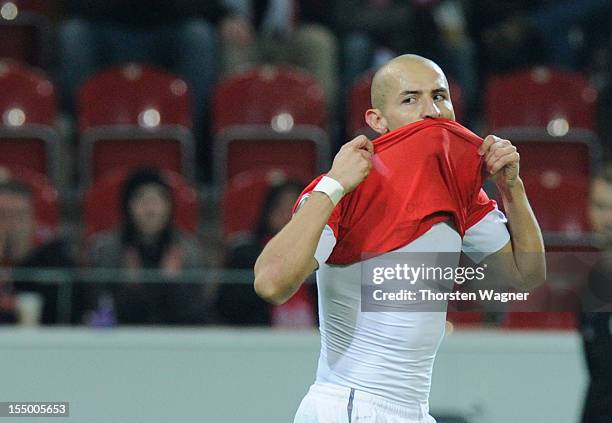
(596, 328)
(19, 247)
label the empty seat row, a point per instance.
(141, 116)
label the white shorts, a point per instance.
(328, 403)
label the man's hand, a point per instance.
(502, 161)
(522, 259)
(353, 162)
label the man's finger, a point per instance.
(354, 143)
(369, 146)
(362, 141)
(366, 154)
(497, 164)
(503, 161)
(358, 141)
(494, 154)
(486, 144)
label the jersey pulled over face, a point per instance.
(422, 174)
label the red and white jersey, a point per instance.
(424, 173)
(423, 195)
(390, 354)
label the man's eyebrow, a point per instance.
(408, 92)
(436, 91)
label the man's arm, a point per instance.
(288, 258)
(523, 257)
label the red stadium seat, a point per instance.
(250, 188)
(45, 197)
(561, 307)
(268, 117)
(28, 112)
(25, 31)
(101, 206)
(359, 100)
(540, 97)
(558, 189)
(134, 116)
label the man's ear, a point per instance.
(376, 121)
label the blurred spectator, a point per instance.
(148, 240)
(604, 124)
(600, 69)
(238, 303)
(601, 207)
(517, 33)
(179, 36)
(19, 247)
(17, 222)
(374, 31)
(10, 211)
(282, 31)
(596, 327)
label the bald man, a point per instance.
(378, 364)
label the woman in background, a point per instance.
(238, 303)
(147, 239)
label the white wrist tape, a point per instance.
(332, 188)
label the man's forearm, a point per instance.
(527, 242)
(289, 257)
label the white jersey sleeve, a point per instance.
(327, 242)
(487, 236)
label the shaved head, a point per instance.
(398, 67)
(406, 89)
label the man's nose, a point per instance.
(430, 109)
